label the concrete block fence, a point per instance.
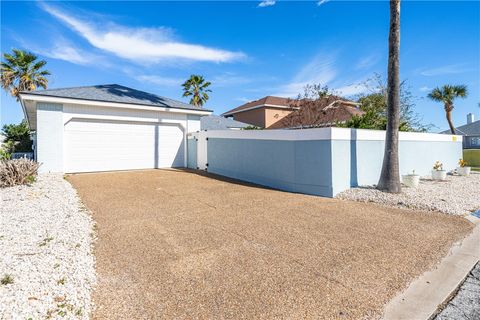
(321, 161)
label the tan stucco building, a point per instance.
(276, 112)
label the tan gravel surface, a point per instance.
(177, 244)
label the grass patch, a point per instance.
(7, 279)
(472, 157)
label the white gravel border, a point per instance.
(458, 195)
(46, 239)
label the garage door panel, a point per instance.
(104, 146)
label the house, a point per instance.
(108, 127)
(470, 132)
(213, 122)
(277, 112)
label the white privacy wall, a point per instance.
(52, 119)
(323, 161)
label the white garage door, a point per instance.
(110, 145)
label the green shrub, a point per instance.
(4, 155)
(17, 171)
(17, 137)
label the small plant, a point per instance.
(438, 166)
(45, 241)
(61, 281)
(79, 312)
(30, 179)
(462, 163)
(17, 171)
(7, 279)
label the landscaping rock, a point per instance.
(465, 305)
(457, 195)
(46, 240)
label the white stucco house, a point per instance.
(108, 127)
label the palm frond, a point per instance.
(22, 71)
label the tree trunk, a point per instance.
(390, 176)
(448, 113)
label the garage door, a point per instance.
(110, 145)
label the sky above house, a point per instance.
(248, 49)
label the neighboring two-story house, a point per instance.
(276, 112)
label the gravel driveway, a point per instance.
(177, 244)
(47, 266)
(458, 195)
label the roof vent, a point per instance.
(470, 118)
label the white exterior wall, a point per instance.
(322, 161)
(52, 119)
(193, 123)
(50, 137)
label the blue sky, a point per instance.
(248, 49)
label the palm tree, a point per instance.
(447, 94)
(196, 87)
(390, 176)
(22, 71)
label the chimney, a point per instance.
(470, 118)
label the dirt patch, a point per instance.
(177, 244)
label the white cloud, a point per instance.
(64, 50)
(447, 69)
(352, 89)
(161, 81)
(243, 99)
(228, 79)
(266, 3)
(424, 89)
(140, 44)
(319, 3)
(320, 70)
(367, 62)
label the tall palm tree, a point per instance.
(390, 176)
(22, 71)
(196, 87)
(447, 94)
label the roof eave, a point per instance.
(48, 98)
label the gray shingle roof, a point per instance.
(115, 93)
(471, 129)
(213, 122)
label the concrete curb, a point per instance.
(425, 294)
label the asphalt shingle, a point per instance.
(115, 93)
(213, 122)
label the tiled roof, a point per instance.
(327, 113)
(213, 122)
(278, 101)
(115, 93)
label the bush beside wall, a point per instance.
(17, 171)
